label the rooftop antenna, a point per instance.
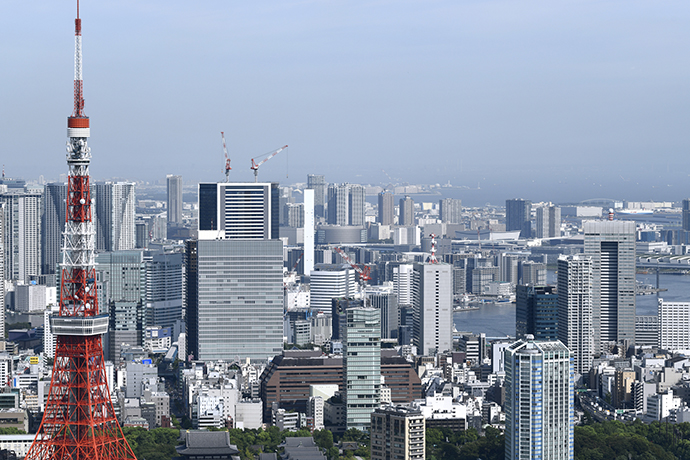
(432, 258)
(227, 160)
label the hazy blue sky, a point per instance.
(543, 99)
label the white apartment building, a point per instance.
(674, 325)
(575, 309)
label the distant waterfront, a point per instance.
(498, 320)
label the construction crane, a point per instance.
(269, 155)
(294, 267)
(364, 271)
(227, 160)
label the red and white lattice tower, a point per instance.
(79, 422)
(432, 258)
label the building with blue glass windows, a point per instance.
(362, 365)
(239, 210)
(234, 299)
(536, 312)
(539, 392)
(234, 274)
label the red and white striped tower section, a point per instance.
(79, 422)
(432, 258)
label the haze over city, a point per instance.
(561, 101)
(474, 247)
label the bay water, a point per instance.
(498, 320)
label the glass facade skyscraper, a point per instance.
(386, 212)
(239, 210)
(115, 206)
(611, 244)
(164, 290)
(121, 278)
(174, 189)
(362, 365)
(52, 226)
(317, 182)
(235, 299)
(518, 215)
(406, 211)
(686, 214)
(536, 312)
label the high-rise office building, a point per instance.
(2, 268)
(686, 214)
(157, 227)
(548, 222)
(647, 330)
(338, 206)
(450, 210)
(357, 198)
(115, 206)
(674, 325)
(536, 312)
(518, 216)
(293, 215)
(406, 212)
(52, 226)
(233, 210)
(576, 324)
(121, 278)
(611, 245)
(164, 290)
(284, 200)
(361, 366)
(339, 307)
(459, 280)
(141, 234)
(508, 267)
(385, 300)
(402, 283)
(234, 299)
(330, 281)
(317, 182)
(432, 288)
(346, 204)
(398, 432)
(174, 184)
(539, 401)
(531, 272)
(386, 212)
(22, 234)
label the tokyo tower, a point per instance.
(79, 421)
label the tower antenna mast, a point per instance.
(79, 421)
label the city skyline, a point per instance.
(367, 93)
(214, 314)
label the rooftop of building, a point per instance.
(202, 443)
(529, 345)
(399, 410)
